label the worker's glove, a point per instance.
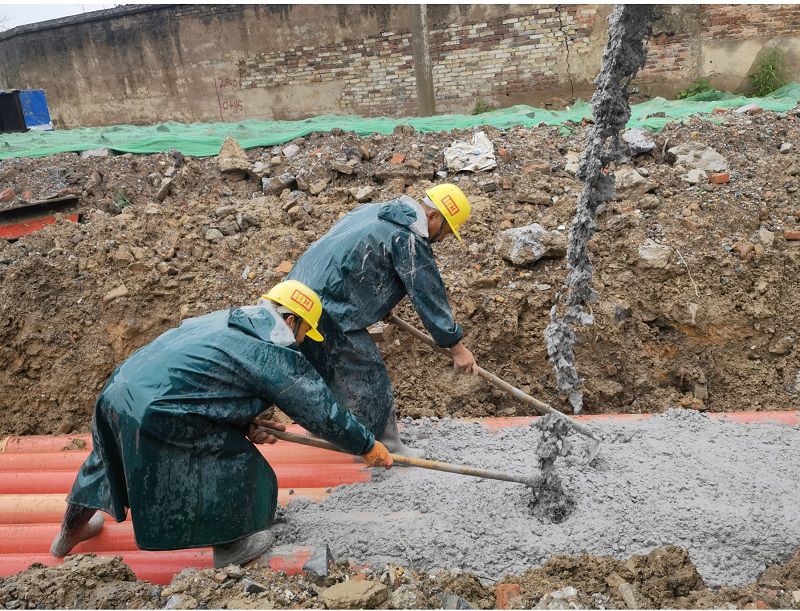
(378, 456)
(258, 434)
(463, 361)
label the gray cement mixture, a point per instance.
(549, 500)
(728, 493)
(629, 25)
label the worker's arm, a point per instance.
(291, 383)
(414, 263)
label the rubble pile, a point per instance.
(664, 578)
(694, 262)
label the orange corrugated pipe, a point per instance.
(289, 476)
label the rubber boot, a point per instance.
(391, 439)
(68, 539)
(244, 550)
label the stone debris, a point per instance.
(528, 244)
(355, 594)
(232, 158)
(654, 255)
(638, 140)
(103, 152)
(698, 157)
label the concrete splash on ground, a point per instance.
(628, 28)
(679, 478)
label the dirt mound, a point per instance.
(696, 307)
(665, 578)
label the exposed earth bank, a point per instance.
(697, 305)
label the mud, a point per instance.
(629, 26)
(550, 501)
(680, 478)
(711, 326)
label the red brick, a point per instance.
(6, 195)
(720, 178)
(504, 593)
(284, 268)
(719, 111)
(791, 235)
(397, 158)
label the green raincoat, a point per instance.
(169, 429)
(361, 269)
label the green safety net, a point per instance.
(205, 139)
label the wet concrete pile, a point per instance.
(680, 478)
(550, 501)
(628, 27)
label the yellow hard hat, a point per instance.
(452, 203)
(301, 300)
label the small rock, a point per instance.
(565, 598)
(77, 238)
(164, 189)
(252, 587)
(782, 346)
(695, 176)
(413, 163)
(321, 558)
(796, 597)
(450, 600)
(503, 153)
(654, 255)
(535, 198)
(791, 236)
(398, 186)
(342, 168)
(259, 169)
(540, 166)
(631, 184)
(290, 151)
(277, 184)
(528, 244)
(489, 186)
(318, 186)
(397, 159)
(170, 172)
(214, 235)
(354, 594)
(232, 157)
(180, 601)
(6, 195)
(638, 141)
(406, 597)
(219, 577)
(229, 228)
(363, 194)
(277, 160)
(115, 293)
(699, 157)
(487, 282)
(650, 202)
(749, 109)
(766, 236)
(743, 249)
(571, 162)
(507, 184)
(95, 153)
(284, 268)
(786, 147)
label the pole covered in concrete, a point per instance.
(423, 67)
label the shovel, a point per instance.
(539, 406)
(435, 465)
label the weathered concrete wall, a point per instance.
(146, 64)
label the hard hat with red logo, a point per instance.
(301, 300)
(452, 203)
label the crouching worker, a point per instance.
(173, 430)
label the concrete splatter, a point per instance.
(550, 501)
(625, 53)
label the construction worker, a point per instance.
(369, 260)
(173, 427)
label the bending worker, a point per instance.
(369, 260)
(171, 427)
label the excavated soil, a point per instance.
(710, 325)
(664, 578)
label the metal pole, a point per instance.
(423, 68)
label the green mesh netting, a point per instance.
(205, 139)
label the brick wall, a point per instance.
(499, 57)
(149, 63)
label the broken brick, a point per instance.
(284, 268)
(414, 164)
(399, 186)
(536, 166)
(719, 111)
(503, 153)
(504, 593)
(6, 195)
(507, 184)
(720, 178)
(791, 235)
(397, 158)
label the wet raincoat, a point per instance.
(361, 269)
(169, 429)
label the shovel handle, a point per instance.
(435, 465)
(515, 392)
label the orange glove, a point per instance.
(378, 456)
